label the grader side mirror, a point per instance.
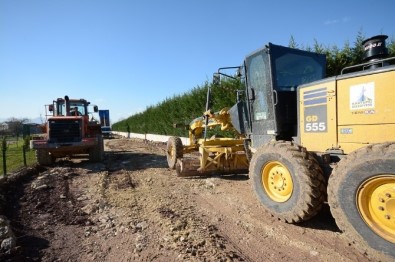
(50, 108)
(95, 109)
(216, 79)
(239, 72)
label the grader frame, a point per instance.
(208, 155)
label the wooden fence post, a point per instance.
(4, 148)
(24, 155)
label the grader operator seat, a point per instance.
(272, 75)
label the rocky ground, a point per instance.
(132, 207)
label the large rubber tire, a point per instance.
(361, 196)
(174, 151)
(44, 158)
(288, 181)
(247, 150)
(96, 154)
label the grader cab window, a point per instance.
(258, 81)
(292, 70)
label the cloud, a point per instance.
(336, 21)
(331, 22)
(346, 19)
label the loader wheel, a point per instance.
(96, 154)
(288, 181)
(44, 158)
(174, 151)
(361, 195)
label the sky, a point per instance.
(126, 55)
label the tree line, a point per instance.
(179, 109)
(182, 109)
(13, 127)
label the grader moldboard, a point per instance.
(312, 139)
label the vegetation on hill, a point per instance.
(182, 109)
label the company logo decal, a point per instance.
(362, 96)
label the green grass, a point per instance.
(14, 156)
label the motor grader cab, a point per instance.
(272, 76)
(315, 139)
(69, 130)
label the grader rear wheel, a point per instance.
(277, 181)
(174, 151)
(376, 203)
(288, 181)
(361, 195)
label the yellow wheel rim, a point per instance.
(376, 204)
(277, 181)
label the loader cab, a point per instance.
(71, 107)
(272, 75)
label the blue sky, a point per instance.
(126, 55)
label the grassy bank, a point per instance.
(14, 155)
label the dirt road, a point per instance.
(132, 207)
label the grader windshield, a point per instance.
(292, 70)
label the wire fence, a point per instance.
(15, 154)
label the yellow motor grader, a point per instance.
(314, 140)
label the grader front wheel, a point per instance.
(361, 195)
(174, 151)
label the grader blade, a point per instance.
(188, 167)
(221, 162)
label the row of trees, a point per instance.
(13, 127)
(339, 58)
(180, 109)
(159, 119)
